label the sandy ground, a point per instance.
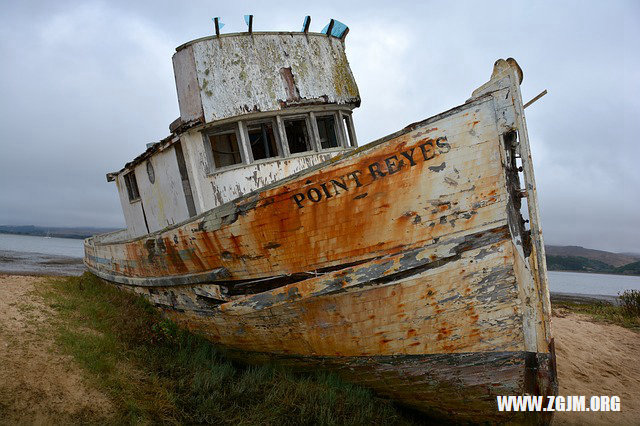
(39, 385)
(597, 359)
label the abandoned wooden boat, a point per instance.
(404, 265)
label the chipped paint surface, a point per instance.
(404, 264)
(161, 201)
(236, 74)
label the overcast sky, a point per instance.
(85, 85)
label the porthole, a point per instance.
(150, 172)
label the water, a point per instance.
(25, 254)
(52, 246)
(585, 283)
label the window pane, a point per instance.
(262, 140)
(132, 186)
(348, 129)
(327, 131)
(297, 135)
(226, 151)
(127, 182)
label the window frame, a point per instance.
(208, 148)
(129, 187)
(337, 123)
(310, 133)
(276, 133)
(350, 140)
(345, 135)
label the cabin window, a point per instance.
(132, 186)
(348, 129)
(262, 140)
(225, 149)
(297, 135)
(151, 172)
(327, 131)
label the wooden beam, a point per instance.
(544, 92)
(307, 22)
(330, 28)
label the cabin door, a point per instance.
(186, 186)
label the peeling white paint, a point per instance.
(238, 74)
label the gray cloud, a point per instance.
(86, 84)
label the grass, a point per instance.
(626, 315)
(156, 372)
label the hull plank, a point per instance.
(460, 306)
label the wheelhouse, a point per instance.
(254, 108)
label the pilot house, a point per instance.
(254, 108)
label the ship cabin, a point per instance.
(254, 109)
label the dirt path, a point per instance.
(38, 385)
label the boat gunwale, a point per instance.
(485, 97)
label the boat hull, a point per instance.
(404, 265)
(460, 387)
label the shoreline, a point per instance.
(558, 296)
(594, 272)
(44, 235)
(39, 264)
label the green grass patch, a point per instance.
(603, 311)
(156, 372)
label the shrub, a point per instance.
(630, 302)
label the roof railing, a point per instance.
(334, 28)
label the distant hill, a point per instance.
(630, 269)
(79, 232)
(576, 263)
(580, 259)
(613, 259)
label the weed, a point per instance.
(157, 372)
(604, 311)
(630, 302)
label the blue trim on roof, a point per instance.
(338, 29)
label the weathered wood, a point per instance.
(239, 73)
(541, 94)
(404, 264)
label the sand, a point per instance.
(40, 385)
(597, 359)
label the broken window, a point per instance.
(348, 130)
(327, 131)
(297, 135)
(262, 140)
(225, 149)
(132, 186)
